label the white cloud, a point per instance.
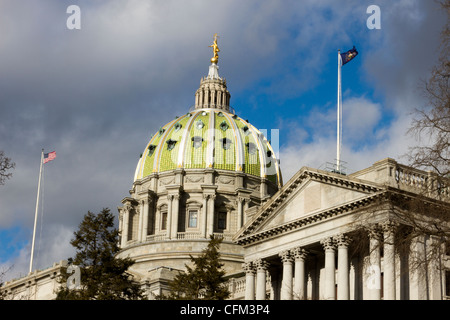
(97, 94)
(52, 245)
(365, 140)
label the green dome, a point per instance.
(209, 138)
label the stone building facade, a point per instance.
(329, 236)
(321, 235)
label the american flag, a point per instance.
(49, 156)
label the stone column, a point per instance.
(125, 224)
(169, 217)
(354, 279)
(224, 99)
(175, 214)
(343, 268)
(204, 216)
(210, 219)
(207, 103)
(219, 99)
(213, 98)
(299, 273)
(145, 220)
(374, 268)
(286, 284)
(389, 289)
(246, 205)
(249, 280)
(196, 99)
(434, 255)
(240, 212)
(330, 268)
(200, 100)
(418, 277)
(310, 285)
(261, 270)
(141, 220)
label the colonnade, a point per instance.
(335, 278)
(146, 213)
(212, 94)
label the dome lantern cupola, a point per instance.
(213, 91)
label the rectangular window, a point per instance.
(222, 221)
(193, 216)
(163, 220)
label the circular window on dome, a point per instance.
(246, 130)
(177, 126)
(161, 131)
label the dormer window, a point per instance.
(226, 143)
(251, 148)
(177, 126)
(197, 142)
(224, 126)
(171, 144)
(199, 124)
(151, 149)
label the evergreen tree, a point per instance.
(103, 276)
(205, 281)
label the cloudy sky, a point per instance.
(96, 95)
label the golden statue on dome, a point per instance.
(216, 50)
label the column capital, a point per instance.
(208, 196)
(286, 256)
(299, 253)
(248, 268)
(389, 226)
(127, 207)
(374, 231)
(343, 241)
(261, 265)
(170, 197)
(328, 243)
(240, 199)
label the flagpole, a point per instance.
(36, 212)
(339, 112)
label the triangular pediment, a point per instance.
(309, 192)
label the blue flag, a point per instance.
(349, 55)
